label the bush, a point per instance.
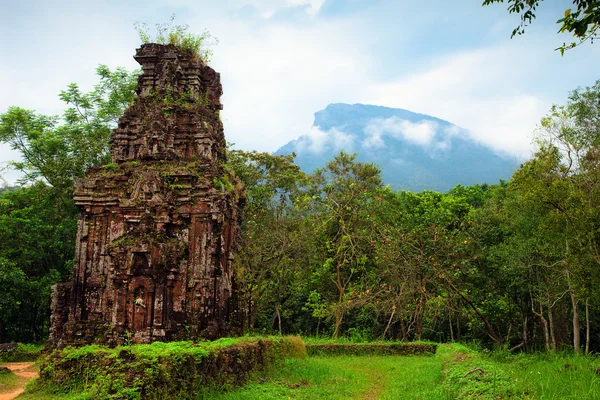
(361, 349)
(179, 36)
(161, 370)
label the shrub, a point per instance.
(179, 36)
(161, 370)
(360, 349)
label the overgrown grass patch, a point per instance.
(9, 381)
(471, 374)
(346, 377)
(22, 352)
(375, 348)
(159, 370)
(556, 376)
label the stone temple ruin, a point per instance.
(158, 225)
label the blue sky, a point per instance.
(282, 60)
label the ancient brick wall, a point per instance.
(158, 225)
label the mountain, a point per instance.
(415, 151)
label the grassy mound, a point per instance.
(160, 370)
(20, 352)
(371, 349)
(8, 380)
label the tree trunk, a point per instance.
(576, 325)
(551, 326)
(318, 324)
(278, 318)
(524, 334)
(451, 329)
(34, 324)
(403, 329)
(339, 313)
(389, 323)
(587, 326)
(339, 316)
(545, 325)
(419, 320)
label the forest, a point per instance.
(336, 253)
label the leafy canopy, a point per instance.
(582, 21)
(57, 150)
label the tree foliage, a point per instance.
(57, 150)
(38, 220)
(582, 20)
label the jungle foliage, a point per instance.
(336, 252)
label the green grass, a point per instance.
(469, 374)
(454, 372)
(9, 381)
(557, 376)
(347, 377)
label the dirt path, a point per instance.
(376, 381)
(22, 370)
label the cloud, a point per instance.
(314, 5)
(276, 78)
(318, 141)
(421, 133)
(277, 72)
(472, 89)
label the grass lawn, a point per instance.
(454, 372)
(348, 377)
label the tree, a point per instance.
(570, 140)
(58, 150)
(582, 21)
(38, 222)
(268, 262)
(36, 250)
(343, 197)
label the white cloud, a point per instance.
(276, 73)
(277, 77)
(317, 141)
(476, 90)
(421, 133)
(315, 5)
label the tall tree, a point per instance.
(38, 222)
(343, 196)
(273, 243)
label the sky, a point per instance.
(283, 60)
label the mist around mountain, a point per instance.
(415, 151)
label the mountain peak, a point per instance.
(416, 151)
